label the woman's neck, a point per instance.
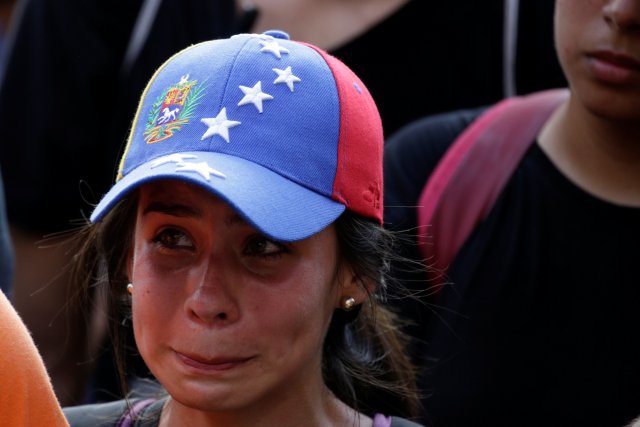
(327, 24)
(600, 155)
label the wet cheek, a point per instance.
(153, 298)
(310, 317)
(143, 322)
(287, 317)
(152, 313)
(292, 339)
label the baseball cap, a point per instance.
(282, 131)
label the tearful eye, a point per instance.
(261, 246)
(173, 238)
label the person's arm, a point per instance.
(26, 394)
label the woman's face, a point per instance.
(598, 44)
(223, 316)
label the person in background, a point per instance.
(537, 325)
(245, 230)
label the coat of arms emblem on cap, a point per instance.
(172, 109)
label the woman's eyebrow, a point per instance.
(183, 210)
(174, 209)
(235, 219)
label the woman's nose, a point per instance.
(623, 15)
(211, 299)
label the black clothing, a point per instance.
(540, 325)
(67, 98)
(448, 55)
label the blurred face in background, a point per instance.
(598, 44)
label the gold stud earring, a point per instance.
(348, 303)
(130, 288)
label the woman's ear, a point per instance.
(352, 286)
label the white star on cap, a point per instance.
(218, 125)
(272, 46)
(286, 76)
(172, 158)
(202, 168)
(254, 95)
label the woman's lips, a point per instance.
(614, 68)
(217, 364)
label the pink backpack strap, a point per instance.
(129, 417)
(468, 179)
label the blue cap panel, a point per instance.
(267, 100)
